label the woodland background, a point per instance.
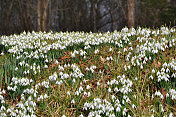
(84, 15)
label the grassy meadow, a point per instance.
(131, 73)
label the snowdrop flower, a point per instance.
(72, 55)
(125, 67)
(56, 62)
(134, 96)
(167, 70)
(3, 108)
(73, 101)
(124, 111)
(68, 93)
(46, 66)
(118, 109)
(98, 84)
(151, 77)
(133, 106)
(88, 87)
(3, 91)
(16, 68)
(162, 110)
(153, 70)
(65, 65)
(88, 94)
(96, 51)
(2, 53)
(110, 49)
(107, 58)
(97, 115)
(59, 82)
(171, 114)
(135, 79)
(111, 58)
(142, 67)
(87, 69)
(109, 90)
(45, 96)
(152, 110)
(80, 89)
(128, 66)
(85, 93)
(77, 93)
(167, 95)
(74, 80)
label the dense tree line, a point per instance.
(83, 15)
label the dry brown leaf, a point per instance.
(102, 59)
(156, 63)
(65, 57)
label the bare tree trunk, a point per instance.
(38, 15)
(44, 17)
(123, 10)
(131, 13)
(9, 9)
(112, 14)
(93, 16)
(28, 15)
(94, 19)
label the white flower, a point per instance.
(45, 96)
(73, 80)
(171, 114)
(88, 94)
(118, 109)
(77, 93)
(98, 84)
(88, 87)
(72, 55)
(124, 111)
(16, 68)
(167, 95)
(68, 93)
(97, 115)
(133, 106)
(63, 116)
(109, 90)
(107, 58)
(3, 108)
(46, 60)
(80, 89)
(73, 101)
(46, 66)
(135, 79)
(151, 77)
(2, 53)
(152, 110)
(56, 62)
(110, 49)
(96, 51)
(3, 91)
(153, 70)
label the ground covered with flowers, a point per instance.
(126, 73)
